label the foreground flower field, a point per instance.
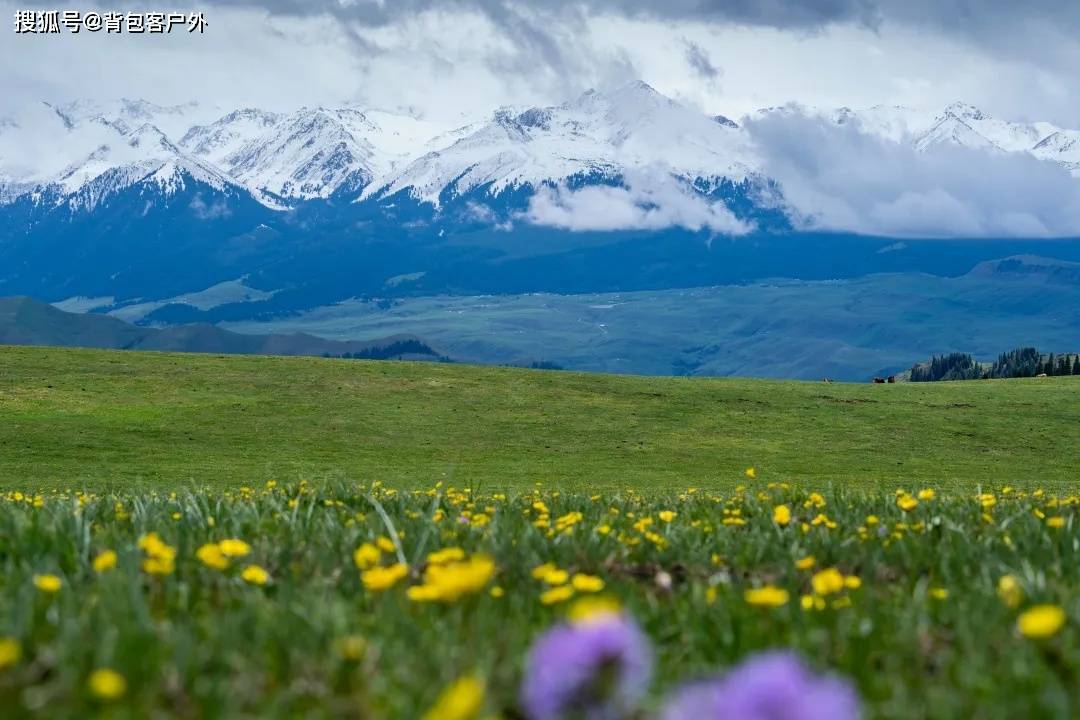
(774, 601)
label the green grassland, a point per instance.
(123, 601)
(101, 419)
(924, 625)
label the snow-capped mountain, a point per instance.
(599, 135)
(83, 151)
(126, 114)
(80, 154)
(218, 140)
(144, 157)
(312, 153)
(1062, 146)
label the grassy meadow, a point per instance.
(90, 419)
(218, 537)
(366, 602)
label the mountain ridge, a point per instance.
(320, 152)
(26, 321)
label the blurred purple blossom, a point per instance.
(595, 669)
(770, 686)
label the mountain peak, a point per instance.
(965, 111)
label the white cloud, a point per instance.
(835, 177)
(653, 201)
(445, 60)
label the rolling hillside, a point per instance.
(95, 418)
(26, 321)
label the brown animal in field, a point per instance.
(879, 381)
(892, 378)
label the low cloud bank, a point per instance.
(651, 201)
(836, 177)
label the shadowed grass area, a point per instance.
(98, 419)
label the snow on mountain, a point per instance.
(320, 152)
(951, 130)
(218, 140)
(312, 153)
(598, 133)
(127, 115)
(82, 153)
(1063, 147)
(143, 156)
(1009, 136)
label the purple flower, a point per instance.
(770, 686)
(596, 668)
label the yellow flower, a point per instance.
(1040, 621)
(591, 608)
(161, 557)
(557, 595)
(10, 652)
(805, 563)
(550, 574)
(210, 555)
(255, 575)
(751, 473)
(366, 556)
(351, 647)
(1057, 521)
(927, 494)
(587, 583)
(781, 514)
(906, 502)
(47, 583)
(1010, 591)
(384, 578)
(104, 561)
(449, 582)
(106, 684)
(768, 596)
(939, 593)
(159, 565)
(461, 700)
(667, 515)
(852, 582)
(497, 592)
(233, 548)
(827, 582)
(441, 557)
(386, 544)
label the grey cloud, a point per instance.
(698, 59)
(839, 178)
(952, 15)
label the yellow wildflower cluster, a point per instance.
(828, 586)
(563, 585)
(450, 580)
(160, 557)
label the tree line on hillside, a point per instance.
(395, 349)
(1021, 362)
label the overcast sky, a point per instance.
(447, 59)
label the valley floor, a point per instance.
(843, 329)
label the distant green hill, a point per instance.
(25, 321)
(94, 418)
